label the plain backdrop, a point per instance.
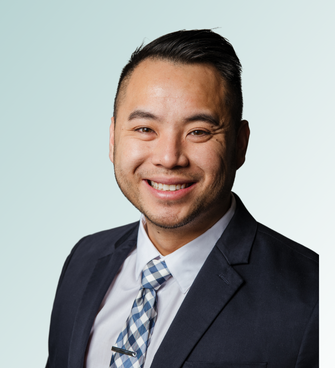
(60, 62)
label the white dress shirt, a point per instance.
(184, 265)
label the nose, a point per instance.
(169, 152)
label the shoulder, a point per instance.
(84, 255)
(106, 241)
(270, 260)
(252, 234)
(286, 245)
(288, 268)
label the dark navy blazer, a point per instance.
(253, 304)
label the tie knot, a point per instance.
(154, 274)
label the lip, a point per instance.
(170, 195)
(169, 181)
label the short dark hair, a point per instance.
(201, 46)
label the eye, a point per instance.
(144, 130)
(199, 132)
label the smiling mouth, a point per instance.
(167, 187)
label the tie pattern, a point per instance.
(136, 334)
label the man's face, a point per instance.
(174, 149)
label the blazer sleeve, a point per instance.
(308, 356)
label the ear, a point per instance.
(111, 140)
(242, 140)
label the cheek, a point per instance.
(211, 160)
(129, 155)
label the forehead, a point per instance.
(161, 82)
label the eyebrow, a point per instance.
(140, 114)
(207, 118)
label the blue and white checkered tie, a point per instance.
(131, 346)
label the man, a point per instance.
(225, 291)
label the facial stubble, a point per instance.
(200, 208)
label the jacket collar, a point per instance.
(236, 241)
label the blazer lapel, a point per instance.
(102, 276)
(215, 285)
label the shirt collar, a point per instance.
(184, 263)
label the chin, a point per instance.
(170, 222)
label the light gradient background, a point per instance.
(60, 62)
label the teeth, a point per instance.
(166, 187)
